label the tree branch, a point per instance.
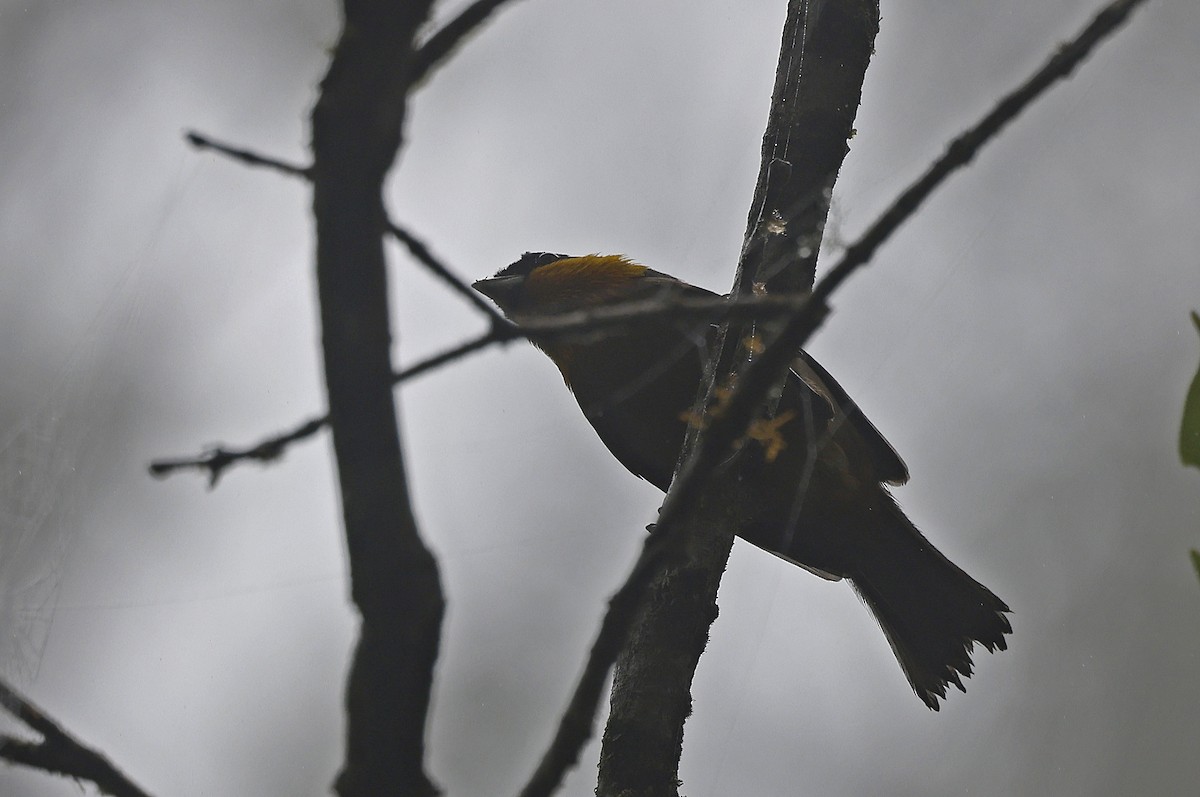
(818, 87)
(415, 246)
(245, 156)
(58, 752)
(758, 378)
(215, 460)
(575, 725)
(579, 325)
(823, 59)
(962, 150)
(395, 584)
(438, 47)
(421, 252)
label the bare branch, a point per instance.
(248, 157)
(58, 752)
(421, 252)
(575, 725)
(215, 460)
(823, 58)
(818, 88)
(438, 47)
(757, 379)
(357, 129)
(962, 150)
(415, 246)
(578, 325)
(498, 334)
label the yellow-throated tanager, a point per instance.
(820, 501)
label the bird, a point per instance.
(815, 489)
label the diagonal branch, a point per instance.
(823, 58)
(754, 383)
(441, 45)
(962, 150)
(59, 752)
(575, 725)
(578, 325)
(421, 252)
(215, 460)
(246, 156)
(415, 246)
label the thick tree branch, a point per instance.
(758, 378)
(58, 752)
(818, 87)
(822, 62)
(395, 584)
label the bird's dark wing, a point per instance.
(888, 465)
(833, 401)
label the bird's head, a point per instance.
(544, 282)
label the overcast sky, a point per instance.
(1024, 343)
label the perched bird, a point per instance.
(813, 495)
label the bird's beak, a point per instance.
(504, 291)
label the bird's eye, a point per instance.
(546, 258)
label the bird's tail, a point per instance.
(931, 611)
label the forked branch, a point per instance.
(59, 752)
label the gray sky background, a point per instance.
(1024, 343)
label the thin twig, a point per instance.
(963, 149)
(501, 333)
(575, 725)
(59, 752)
(434, 51)
(248, 157)
(421, 252)
(577, 325)
(414, 245)
(217, 459)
